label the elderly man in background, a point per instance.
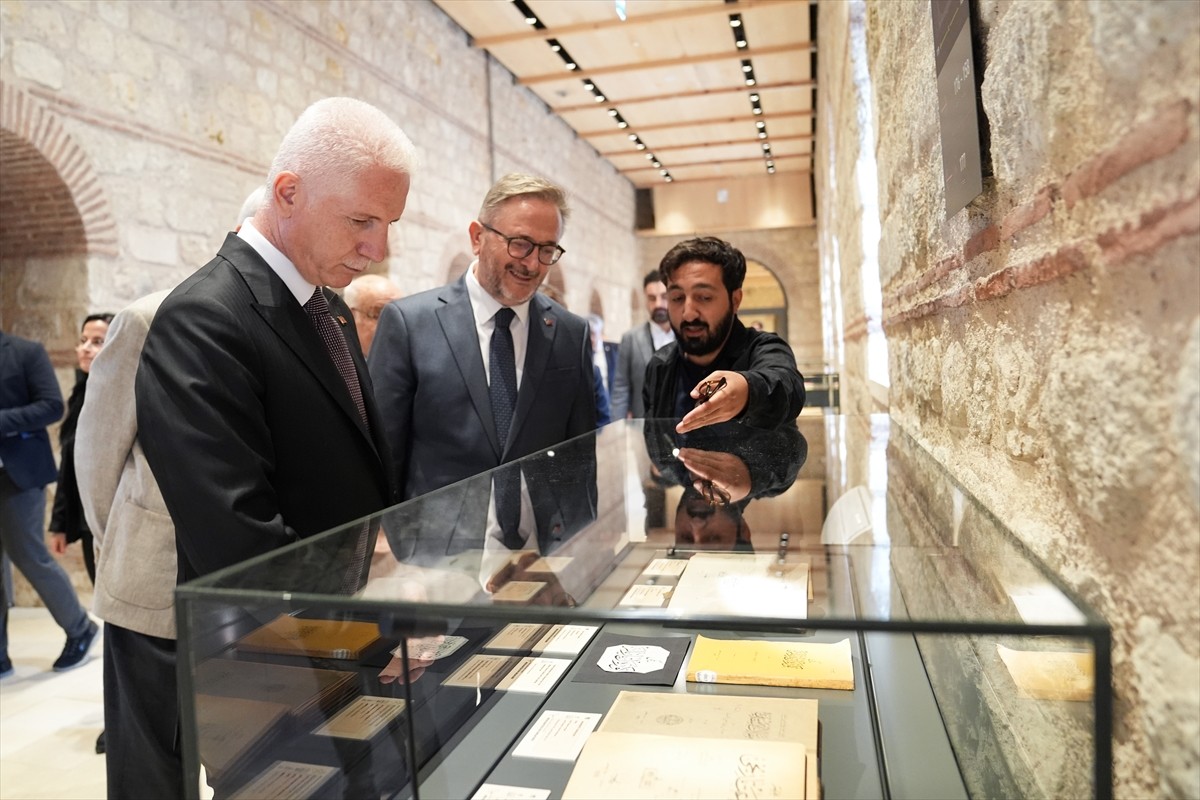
(367, 295)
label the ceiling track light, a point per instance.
(735, 20)
(750, 81)
(622, 124)
(754, 97)
(760, 124)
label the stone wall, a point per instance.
(1045, 341)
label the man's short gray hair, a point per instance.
(340, 137)
(517, 185)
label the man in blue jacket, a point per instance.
(29, 401)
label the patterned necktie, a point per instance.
(503, 392)
(318, 309)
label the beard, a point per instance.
(659, 316)
(709, 343)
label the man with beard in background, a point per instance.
(717, 369)
(636, 348)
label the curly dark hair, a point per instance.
(710, 250)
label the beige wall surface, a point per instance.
(162, 117)
(1045, 341)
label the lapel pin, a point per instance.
(341, 319)
(549, 321)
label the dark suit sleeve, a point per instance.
(45, 405)
(202, 425)
(583, 410)
(390, 365)
(776, 386)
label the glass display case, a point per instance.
(813, 611)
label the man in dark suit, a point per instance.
(254, 406)
(435, 353)
(637, 345)
(29, 401)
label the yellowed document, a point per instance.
(772, 663)
(646, 766)
(744, 719)
(1050, 675)
(743, 585)
(323, 638)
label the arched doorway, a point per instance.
(764, 303)
(53, 216)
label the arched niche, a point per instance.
(53, 217)
(764, 301)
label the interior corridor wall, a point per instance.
(161, 117)
(1045, 341)
(179, 107)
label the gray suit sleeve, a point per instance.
(391, 366)
(620, 392)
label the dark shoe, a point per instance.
(76, 649)
(6, 667)
(100, 743)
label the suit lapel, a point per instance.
(458, 326)
(279, 309)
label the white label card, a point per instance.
(665, 566)
(498, 791)
(565, 640)
(534, 675)
(645, 595)
(558, 735)
(286, 779)
(363, 718)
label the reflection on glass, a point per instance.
(721, 469)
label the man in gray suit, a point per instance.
(637, 346)
(434, 359)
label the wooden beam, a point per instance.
(635, 20)
(693, 123)
(663, 63)
(762, 87)
(756, 140)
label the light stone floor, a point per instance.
(49, 721)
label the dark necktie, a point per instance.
(503, 392)
(318, 309)
(335, 342)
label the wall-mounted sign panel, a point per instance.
(962, 171)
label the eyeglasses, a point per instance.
(708, 389)
(520, 247)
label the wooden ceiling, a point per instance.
(674, 72)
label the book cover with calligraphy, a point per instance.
(764, 662)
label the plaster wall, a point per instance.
(1045, 341)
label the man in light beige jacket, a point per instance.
(135, 566)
